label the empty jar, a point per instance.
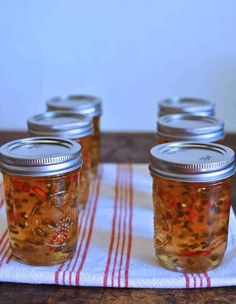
(72, 126)
(192, 185)
(87, 105)
(185, 105)
(185, 127)
(41, 189)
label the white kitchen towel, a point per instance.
(115, 244)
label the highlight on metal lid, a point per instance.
(190, 105)
(40, 156)
(190, 128)
(192, 162)
(60, 123)
(84, 104)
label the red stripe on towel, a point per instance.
(194, 280)
(3, 236)
(6, 252)
(105, 278)
(1, 202)
(57, 273)
(200, 279)
(130, 226)
(187, 280)
(84, 229)
(124, 231)
(77, 276)
(208, 279)
(121, 189)
(70, 261)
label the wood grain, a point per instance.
(116, 147)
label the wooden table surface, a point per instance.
(116, 147)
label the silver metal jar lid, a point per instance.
(59, 123)
(83, 104)
(40, 156)
(194, 106)
(184, 127)
(192, 162)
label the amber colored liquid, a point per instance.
(95, 146)
(163, 140)
(42, 215)
(85, 169)
(190, 223)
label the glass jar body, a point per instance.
(190, 223)
(42, 215)
(96, 145)
(85, 171)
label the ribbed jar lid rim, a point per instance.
(60, 123)
(192, 162)
(190, 127)
(84, 104)
(40, 156)
(190, 105)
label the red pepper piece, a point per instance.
(193, 215)
(25, 188)
(39, 192)
(21, 186)
(168, 199)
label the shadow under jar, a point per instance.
(185, 127)
(186, 105)
(41, 187)
(72, 126)
(86, 105)
(191, 198)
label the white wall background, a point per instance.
(131, 53)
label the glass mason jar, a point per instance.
(87, 105)
(72, 126)
(191, 197)
(41, 189)
(186, 105)
(185, 127)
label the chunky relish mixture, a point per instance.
(42, 214)
(95, 146)
(85, 169)
(190, 223)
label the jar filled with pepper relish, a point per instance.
(72, 126)
(87, 105)
(41, 187)
(186, 105)
(192, 185)
(185, 127)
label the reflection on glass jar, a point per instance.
(191, 199)
(41, 189)
(86, 105)
(185, 127)
(68, 125)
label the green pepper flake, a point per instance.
(213, 257)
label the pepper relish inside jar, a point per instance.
(87, 105)
(187, 105)
(41, 187)
(191, 197)
(185, 127)
(68, 125)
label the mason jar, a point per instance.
(185, 127)
(87, 105)
(72, 126)
(186, 105)
(41, 189)
(192, 185)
